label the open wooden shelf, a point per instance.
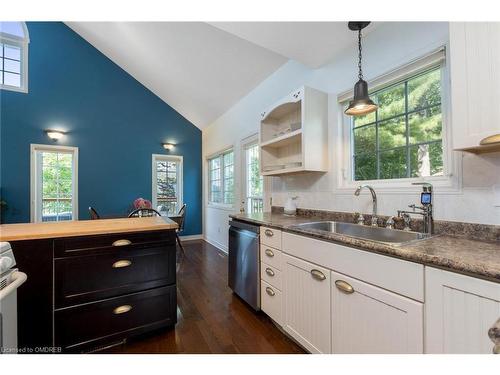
(284, 140)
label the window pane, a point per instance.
(12, 52)
(365, 139)
(12, 66)
(12, 28)
(425, 125)
(392, 133)
(391, 101)
(424, 90)
(427, 160)
(365, 167)
(12, 79)
(363, 120)
(393, 164)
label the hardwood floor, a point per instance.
(211, 319)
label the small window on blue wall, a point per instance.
(14, 42)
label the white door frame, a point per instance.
(180, 176)
(35, 192)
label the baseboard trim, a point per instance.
(192, 237)
(217, 244)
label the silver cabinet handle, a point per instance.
(122, 243)
(122, 309)
(269, 253)
(121, 263)
(270, 291)
(344, 286)
(269, 271)
(269, 233)
(318, 275)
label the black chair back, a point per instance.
(182, 217)
(144, 212)
(93, 214)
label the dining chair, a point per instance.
(180, 219)
(144, 212)
(93, 214)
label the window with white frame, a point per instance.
(14, 42)
(404, 138)
(54, 183)
(221, 178)
(167, 184)
(254, 180)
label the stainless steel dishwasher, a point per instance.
(244, 262)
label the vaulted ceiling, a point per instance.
(202, 69)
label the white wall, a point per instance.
(386, 48)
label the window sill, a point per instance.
(221, 206)
(441, 184)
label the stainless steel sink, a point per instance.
(386, 235)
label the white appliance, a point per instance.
(10, 280)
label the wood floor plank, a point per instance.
(211, 319)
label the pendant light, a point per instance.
(361, 103)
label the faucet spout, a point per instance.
(374, 201)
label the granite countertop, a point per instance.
(458, 254)
(26, 231)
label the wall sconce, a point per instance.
(168, 146)
(55, 135)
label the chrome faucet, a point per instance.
(425, 210)
(374, 201)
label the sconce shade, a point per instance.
(55, 135)
(361, 103)
(168, 146)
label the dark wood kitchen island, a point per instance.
(93, 283)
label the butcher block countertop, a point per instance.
(30, 231)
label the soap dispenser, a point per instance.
(291, 206)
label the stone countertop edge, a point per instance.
(470, 257)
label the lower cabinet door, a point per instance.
(306, 298)
(459, 312)
(367, 319)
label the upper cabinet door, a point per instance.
(475, 84)
(459, 312)
(371, 320)
(306, 293)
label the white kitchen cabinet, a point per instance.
(475, 84)
(306, 304)
(294, 134)
(459, 311)
(368, 319)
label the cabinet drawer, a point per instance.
(114, 319)
(80, 279)
(270, 237)
(270, 275)
(271, 302)
(400, 276)
(271, 256)
(74, 246)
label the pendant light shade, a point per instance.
(361, 104)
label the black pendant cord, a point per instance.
(360, 74)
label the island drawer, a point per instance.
(80, 279)
(88, 325)
(270, 256)
(74, 246)
(270, 275)
(270, 237)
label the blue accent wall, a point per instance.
(115, 121)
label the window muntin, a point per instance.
(167, 184)
(221, 178)
(254, 180)
(403, 138)
(13, 56)
(54, 187)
